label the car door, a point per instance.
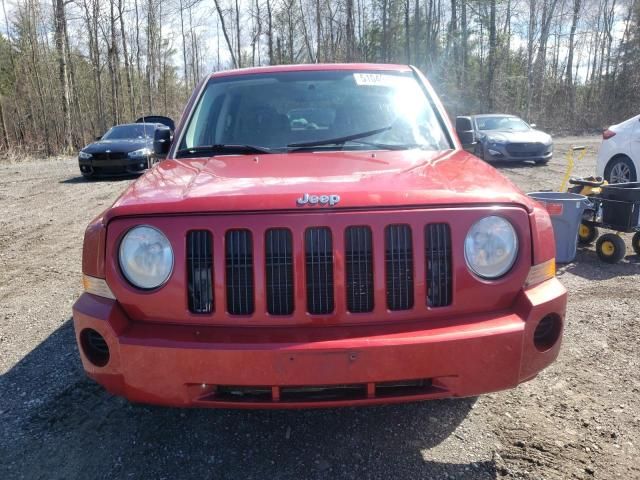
(634, 144)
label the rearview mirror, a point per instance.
(464, 129)
(161, 141)
(532, 125)
(98, 138)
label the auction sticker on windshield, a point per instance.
(377, 79)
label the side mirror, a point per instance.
(464, 129)
(532, 125)
(98, 138)
(161, 141)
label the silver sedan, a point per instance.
(498, 137)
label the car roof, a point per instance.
(382, 67)
(150, 125)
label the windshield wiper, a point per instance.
(222, 149)
(338, 140)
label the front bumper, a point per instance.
(288, 367)
(500, 153)
(115, 166)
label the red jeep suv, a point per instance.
(317, 236)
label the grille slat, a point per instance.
(359, 269)
(319, 270)
(239, 266)
(200, 271)
(438, 255)
(399, 267)
(279, 263)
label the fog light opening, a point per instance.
(547, 332)
(94, 347)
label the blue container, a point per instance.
(566, 211)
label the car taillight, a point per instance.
(607, 134)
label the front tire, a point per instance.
(620, 169)
(611, 248)
(587, 234)
(635, 242)
(542, 161)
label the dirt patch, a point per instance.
(579, 419)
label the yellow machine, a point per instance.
(613, 207)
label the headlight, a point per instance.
(143, 152)
(84, 155)
(491, 247)
(146, 257)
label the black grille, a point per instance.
(239, 259)
(109, 156)
(525, 149)
(359, 265)
(279, 262)
(200, 271)
(438, 255)
(319, 270)
(399, 267)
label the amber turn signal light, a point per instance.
(541, 272)
(97, 286)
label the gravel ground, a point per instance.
(578, 419)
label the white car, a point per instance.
(619, 155)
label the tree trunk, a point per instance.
(305, 35)
(569, 74)
(226, 34)
(113, 66)
(3, 125)
(184, 47)
(60, 21)
(138, 61)
(351, 34)
(270, 33)
(385, 31)
(238, 46)
(417, 32)
(407, 33)
(464, 44)
(318, 30)
(125, 53)
(492, 54)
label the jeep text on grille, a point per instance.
(317, 237)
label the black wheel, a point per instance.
(587, 234)
(542, 161)
(620, 170)
(88, 176)
(635, 242)
(611, 248)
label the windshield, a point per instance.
(317, 110)
(513, 124)
(133, 132)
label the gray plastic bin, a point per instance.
(566, 211)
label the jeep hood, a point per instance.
(381, 179)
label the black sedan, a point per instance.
(123, 150)
(498, 137)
